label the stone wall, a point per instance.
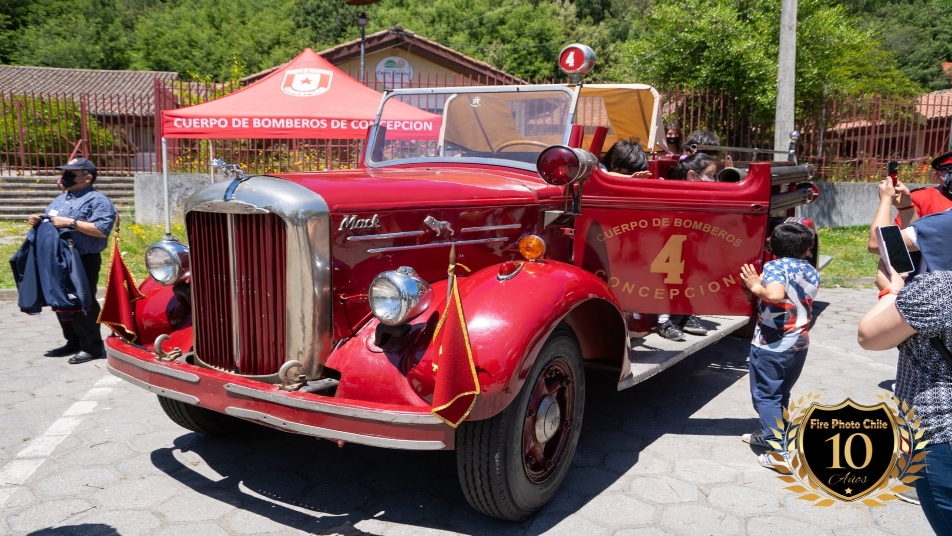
(150, 196)
(844, 203)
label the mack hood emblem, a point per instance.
(351, 222)
(848, 449)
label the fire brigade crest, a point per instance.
(306, 82)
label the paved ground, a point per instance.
(84, 453)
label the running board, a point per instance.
(653, 353)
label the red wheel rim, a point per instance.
(548, 420)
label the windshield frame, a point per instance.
(571, 90)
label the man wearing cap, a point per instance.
(91, 215)
(929, 224)
(924, 201)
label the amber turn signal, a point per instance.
(531, 247)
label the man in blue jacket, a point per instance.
(91, 215)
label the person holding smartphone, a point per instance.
(909, 316)
(927, 234)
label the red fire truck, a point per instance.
(450, 292)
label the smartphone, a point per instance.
(892, 247)
(892, 169)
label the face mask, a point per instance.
(68, 180)
(673, 141)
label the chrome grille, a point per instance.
(239, 267)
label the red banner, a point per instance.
(456, 382)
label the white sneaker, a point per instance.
(772, 459)
(756, 439)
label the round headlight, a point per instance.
(398, 296)
(167, 262)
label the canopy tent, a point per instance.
(308, 97)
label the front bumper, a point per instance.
(378, 425)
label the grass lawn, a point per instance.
(852, 265)
(847, 245)
(135, 239)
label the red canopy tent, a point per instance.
(305, 98)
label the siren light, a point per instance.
(560, 165)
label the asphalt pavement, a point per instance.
(84, 453)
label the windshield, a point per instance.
(508, 125)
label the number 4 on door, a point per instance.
(669, 260)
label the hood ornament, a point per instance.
(233, 171)
(438, 226)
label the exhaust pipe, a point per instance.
(731, 174)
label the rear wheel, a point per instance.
(201, 420)
(511, 465)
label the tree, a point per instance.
(79, 34)
(520, 37)
(732, 45)
(919, 36)
(222, 40)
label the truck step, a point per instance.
(653, 353)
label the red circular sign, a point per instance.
(576, 59)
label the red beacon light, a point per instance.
(576, 60)
(560, 165)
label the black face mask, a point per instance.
(673, 141)
(68, 180)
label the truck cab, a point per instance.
(450, 292)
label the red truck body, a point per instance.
(271, 319)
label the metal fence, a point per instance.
(847, 139)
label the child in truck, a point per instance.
(626, 158)
(781, 339)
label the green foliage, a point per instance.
(79, 34)
(733, 46)
(223, 40)
(847, 48)
(919, 35)
(52, 123)
(522, 38)
(326, 24)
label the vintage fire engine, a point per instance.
(312, 302)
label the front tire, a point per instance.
(201, 420)
(512, 464)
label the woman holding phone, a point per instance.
(908, 316)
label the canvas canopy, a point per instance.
(305, 98)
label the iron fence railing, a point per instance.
(847, 139)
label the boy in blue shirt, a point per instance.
(781, 339)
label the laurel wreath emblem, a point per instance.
(793, 470)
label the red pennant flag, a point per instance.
(456, 382)
(121, 293)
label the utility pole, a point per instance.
(786, 77)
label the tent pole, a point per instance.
(165, 183)
(211, 157)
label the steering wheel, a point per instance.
(510, 143)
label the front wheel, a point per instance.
(512, 464)
(201, 420)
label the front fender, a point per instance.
(509, 321)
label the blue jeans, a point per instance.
(772, 375)
(935, 487)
